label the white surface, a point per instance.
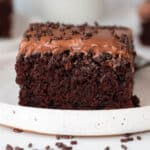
(7, 136)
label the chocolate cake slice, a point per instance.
(5, 17)
(76, 67)
(144, 13)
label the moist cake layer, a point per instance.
(87, 67)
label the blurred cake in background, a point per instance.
(144, 13)
(5, 17)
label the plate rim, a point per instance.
(66, 118)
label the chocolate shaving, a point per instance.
(19, 148)
(63, 146)
(139, 138)
(128, 139)
(47, 147)
(30, 145)
(107, 148)
(124, 147)
(58, 137)
(9, 147)
(73, 142)
(17, 130)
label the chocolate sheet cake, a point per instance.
(5, 17)
(76, 67)
(144, 13)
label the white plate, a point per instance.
(69, 122)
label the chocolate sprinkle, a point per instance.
(30, 145)
(139, 138)
(58, 137)
(107, 148)
(63, 146)
(17, 130)
(19, 148)
(9, 147)
(73, 142)
(47, 147)
(128, 139)
(124, 147)
(75, 32)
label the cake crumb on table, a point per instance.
(139, 138)
(63, 146)
(19, 148)
(107, 148)
(128, 139)
(30, 145)
(73, 142)
(124, 147)
(47, 147)
(9, 147)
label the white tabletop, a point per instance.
(8, 136)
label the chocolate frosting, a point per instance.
(55, 38)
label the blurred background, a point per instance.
(110, 12)
(76, 11)
(106, 12)
(47, 9)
